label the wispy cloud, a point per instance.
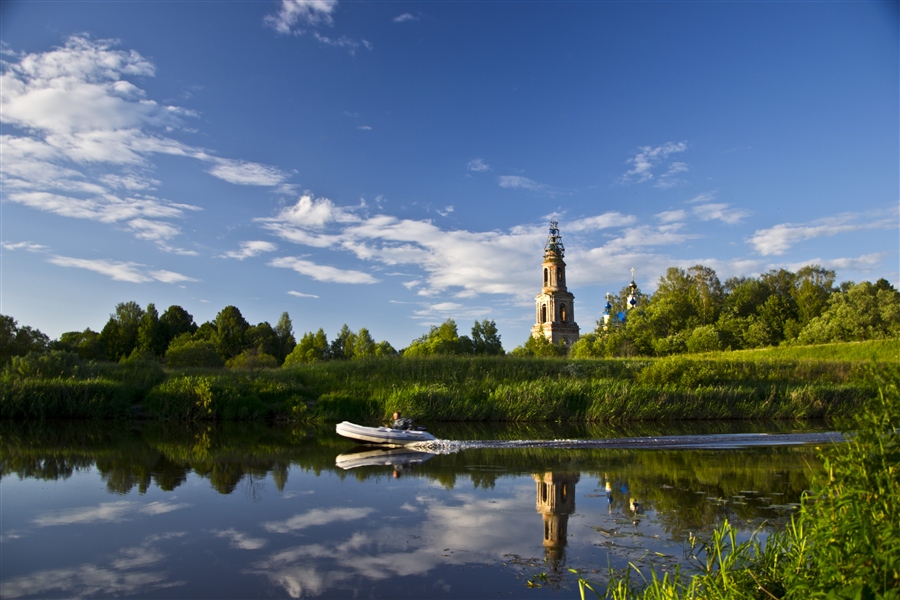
(478, 165)
(246, 173)
(301, 294)
(720, 212)
(120, 271)
(84, 137)
(295, 16)
(27, 246)
(781, 238)
(298, 17)
(250, 249)
(650, 158)
(321, 272)
(518, 182)
(405, 18)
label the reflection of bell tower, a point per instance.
(555, 502)
(555, 305)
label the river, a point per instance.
(250, 511)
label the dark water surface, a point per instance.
(247, 511)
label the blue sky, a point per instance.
(390, 165)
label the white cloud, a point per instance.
(405, 18)
(671, 216)
(27, 246)
(84, 135)
(781, 238)
(251, 249)
(294, 15)
(323, 273)
(648, 158)
(119, 271)
(301, 294)
(521, 183)
(478, 165)
(107, 512)
(598, 222)
(365, 128)
(170, 277)
(246, 173)
(720, 212)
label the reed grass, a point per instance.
(844, 543)
(782, 384)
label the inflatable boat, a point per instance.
(382, 435)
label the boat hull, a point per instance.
(382, 435)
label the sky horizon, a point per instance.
(391, 165)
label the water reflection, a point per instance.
(555, 502)
(238, 510)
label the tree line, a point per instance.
(228, 340)
(691, 311)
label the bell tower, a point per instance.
(555, 306)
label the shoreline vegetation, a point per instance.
(791, 382)
(843, 543)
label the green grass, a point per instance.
(844, 543)
(785, 383)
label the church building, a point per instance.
(555, 306)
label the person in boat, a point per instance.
(401, 422)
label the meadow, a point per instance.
(796, 382)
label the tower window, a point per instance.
(546, 276)
(562, 313)
(543, 313)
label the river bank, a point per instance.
(816, 382)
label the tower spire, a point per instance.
(555, 306)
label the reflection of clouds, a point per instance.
(315, 517)
(107, 512)
(240, 540)
(479, 531)
(121, 577)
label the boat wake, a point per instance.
(719, 441)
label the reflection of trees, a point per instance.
(683, 487)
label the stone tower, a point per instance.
(555, 306)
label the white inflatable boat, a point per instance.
(382, 435)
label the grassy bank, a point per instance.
(784, 383)
(844, 543)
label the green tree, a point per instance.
(865, 311)
(252, 361)
(313, 347)
(812, 288)
(485, 339)
(19, 341)
(263, 338)
(231, 332)
(186, 352)
(384, 349)
(120, 334)
(176, 321)
(151, 334)
(284, 329)
(364, 345)
(539, 347)
(87, 344)
(342, 345)
(440, 340)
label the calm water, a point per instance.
(235, 511)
